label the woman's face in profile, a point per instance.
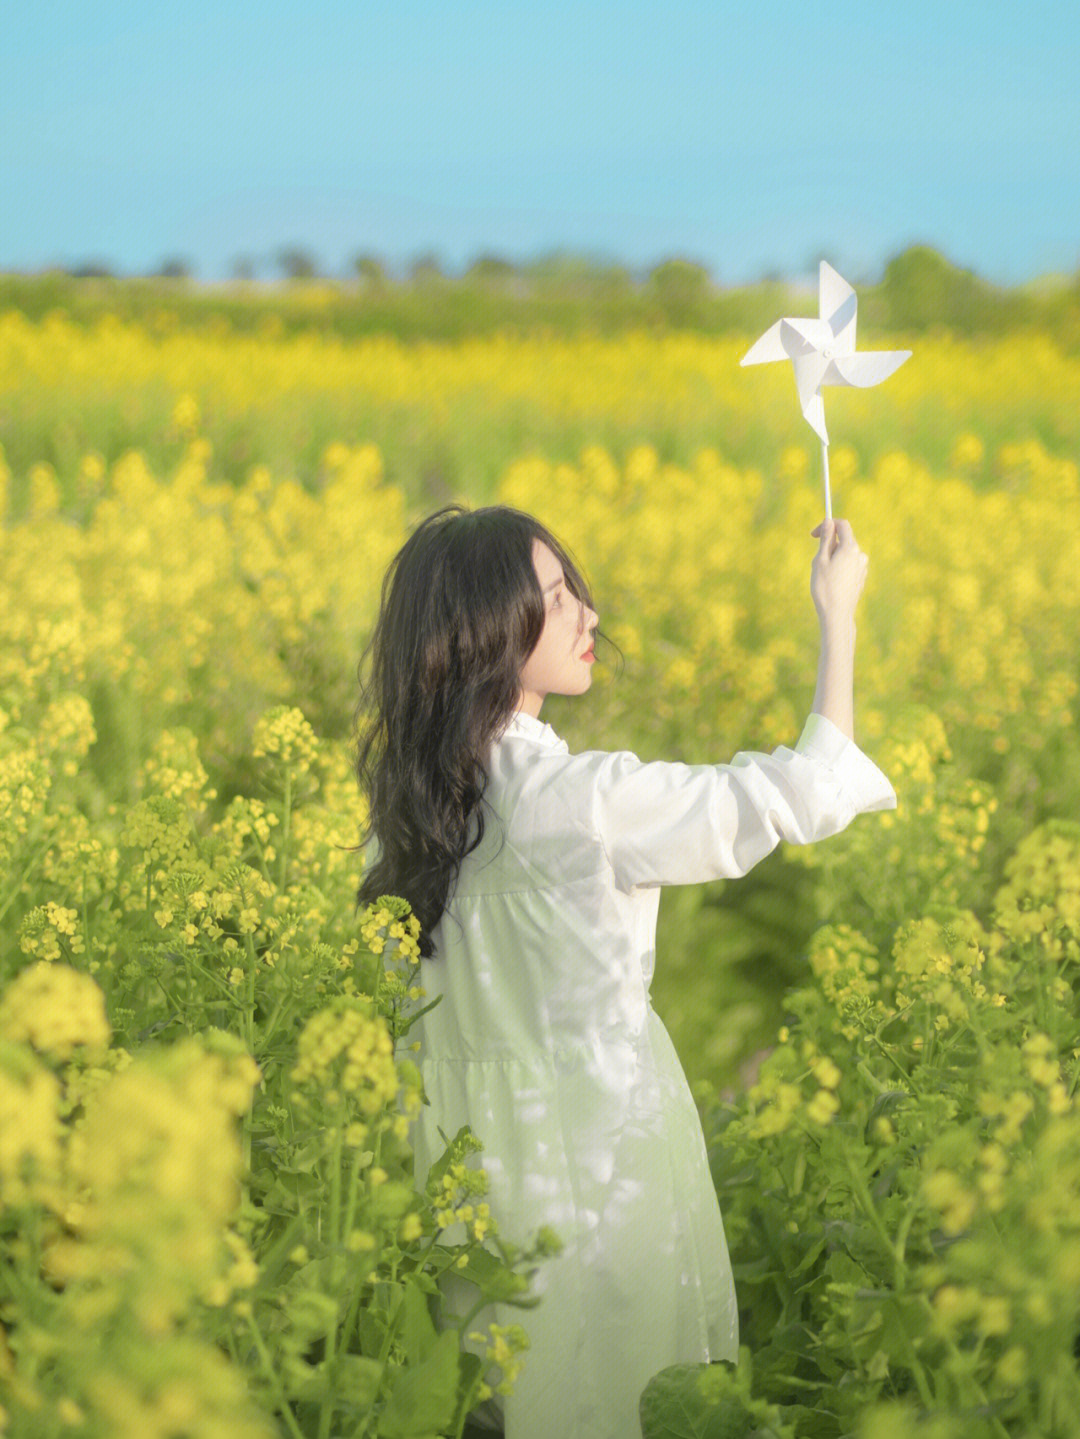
(557, 664)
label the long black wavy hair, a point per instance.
(461, 611)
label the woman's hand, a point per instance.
(837, 575)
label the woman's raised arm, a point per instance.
(836, 582)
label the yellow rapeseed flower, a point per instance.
(56, 1008)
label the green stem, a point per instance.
(384, 1356)
(871, 1078)
(334, 1237)
(13, 896)
(977, 1390)
(275, 1383)
(896, 1065)
(286, 824)
(350, 1202)
(88, 930)
(249, 1007)
(469, 1399)
(271, 1024)
(353, 1312)
(902, 1233)
(471, 1393)
(350, 1209)
(215, 979)
(378, 978)
(871, 1211)
(481, 1303)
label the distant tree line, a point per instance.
(920, 289)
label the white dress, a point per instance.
(545, 1042)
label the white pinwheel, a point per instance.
(823, 352)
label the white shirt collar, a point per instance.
(529, 727)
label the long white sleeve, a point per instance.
(671, 823)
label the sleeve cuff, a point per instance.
(862, 782)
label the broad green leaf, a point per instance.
(417, 1330)
(492, 1277)
(356, 1379)
(424, 1396)
(672, 1406)
(305, 1156)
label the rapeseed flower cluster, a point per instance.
(388, 920)
(24, 786)
(1040, 899)
(347, 1050)
(174, 769)
(177, 1140)
(506, 1346)
(54, 1008)
(452, 1195)
(285, 734)
(160, 827)
(67, 731)
(50, 929)
(29, 1126)
(845, 964)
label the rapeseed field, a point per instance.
(206, 1192)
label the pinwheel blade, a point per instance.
(801, 337)
(814, 415)
(833, 290)
(809, 370)
(868, 367)
(842, 325)
(767, 348)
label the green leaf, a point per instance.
(463, 1143)
(423, 1280)
(372, 1329)
(328, 1275)
(672, 1406)
(410, 1073)
(424, 1396)
(810, 1256)
(885, 1104)
(407, 1024)
(311, 1314)
(305, 1156)
(417, 1330)
(293, 1195)
(356, 1379)
(794, 1339)
(492, 1277)
(304, 1381)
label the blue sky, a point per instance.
(752, 137)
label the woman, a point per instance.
(536, 876)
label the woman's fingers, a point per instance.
(833, 534)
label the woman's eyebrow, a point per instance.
(553, 586)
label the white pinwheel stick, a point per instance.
(823, 352)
